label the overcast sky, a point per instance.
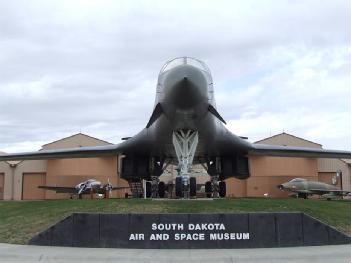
(92, 66)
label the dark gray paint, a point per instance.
(266, 230)
(285, 236)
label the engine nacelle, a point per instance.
(235, 166)
(135, 167)
(140, 167)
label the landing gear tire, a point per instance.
(178, 187)
(208, 189)
(161, 189)
(222, 189)
(304, 196)
(192, 186)
(148, 189)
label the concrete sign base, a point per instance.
(188, 231)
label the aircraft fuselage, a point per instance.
(185, 94)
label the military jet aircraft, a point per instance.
(90, 186)
(185, 128)
(304, 188)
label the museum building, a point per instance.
(19, 180)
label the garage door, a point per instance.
(30, 189)
(328, 178)
(2, 176)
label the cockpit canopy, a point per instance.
(171, 64)
(185, 61)
(90, 181)
(296, 180)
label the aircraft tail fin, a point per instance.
(215, 113)
(155, 115)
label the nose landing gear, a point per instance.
(185, 143)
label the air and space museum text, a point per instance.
(196, 231)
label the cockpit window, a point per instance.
(185, 61)
(173, 63)
(297, 180)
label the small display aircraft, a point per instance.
(304, 188)
(90, 186)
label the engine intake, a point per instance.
(235, 166)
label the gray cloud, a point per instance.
(91, 66)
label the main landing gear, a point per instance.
(155, 188)
(185, 143)
(215, 188)
(302, 195)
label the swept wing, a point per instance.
(59, 189)
(291, 151)
(334, 192)
(79, 152)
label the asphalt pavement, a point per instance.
(23, 253)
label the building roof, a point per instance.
(348, 161)
(74, 135)
(287, 135)
(10, 162)
(75, 140)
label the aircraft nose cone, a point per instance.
(284, 186)
(185, 86)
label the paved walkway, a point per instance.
(22, 253)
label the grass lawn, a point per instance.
(20, 220)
